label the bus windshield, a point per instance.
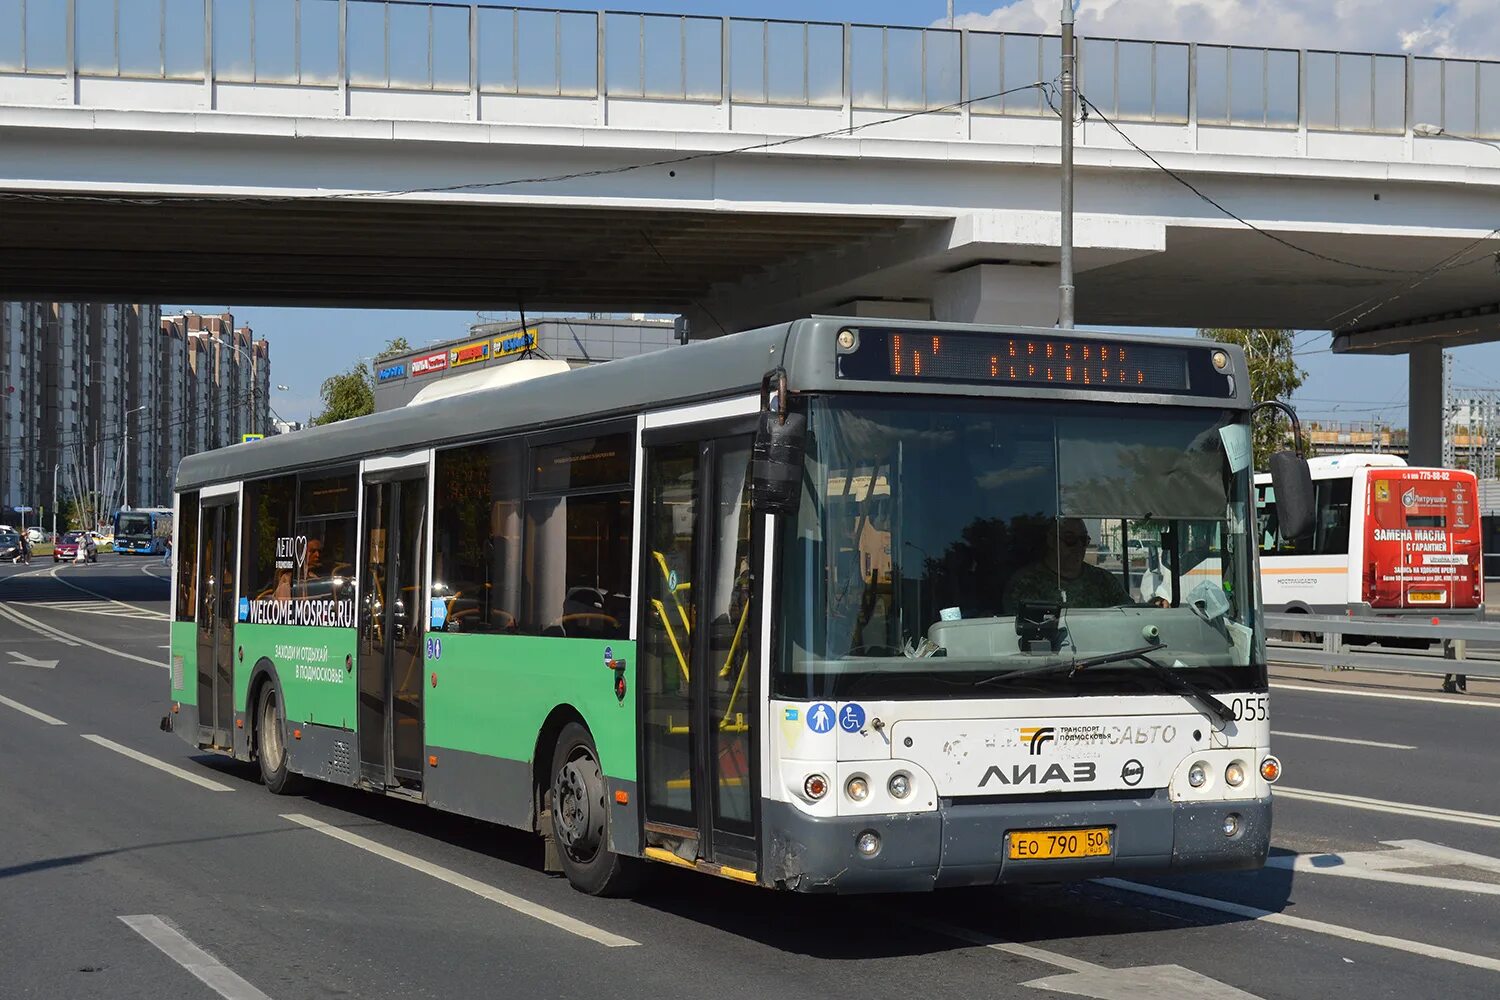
(974, 548)
(133, 524)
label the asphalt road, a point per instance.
(1385, 880)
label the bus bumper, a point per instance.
(964, 844)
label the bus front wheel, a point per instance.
(580, 818)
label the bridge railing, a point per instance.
(480, 50)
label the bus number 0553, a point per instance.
(1249, 709)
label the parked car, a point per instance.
(13, 548)
(66, 549)
(35, 535)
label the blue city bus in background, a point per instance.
(146, 531)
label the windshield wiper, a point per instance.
(1172, 679)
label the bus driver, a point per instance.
(1061, 576)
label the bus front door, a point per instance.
(699, 649)
(392, 557)
(217, 559)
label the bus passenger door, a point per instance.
(217, 559)
(392, 563)
(699, 648)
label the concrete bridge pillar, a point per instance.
(1011, 294)
(1425, 405)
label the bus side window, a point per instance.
(186, 555)
(577, 547)
(476, 551)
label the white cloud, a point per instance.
(1464, 28)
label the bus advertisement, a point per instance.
(145, 531)
(841, 605)
(1388, 539)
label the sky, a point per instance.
(307, 345)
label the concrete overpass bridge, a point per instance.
(323, 152)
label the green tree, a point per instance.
(347, 394)
(1274, 374)
(352, 393)
(396, 346)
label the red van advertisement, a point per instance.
(1422, 539)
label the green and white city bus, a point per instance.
(838, 605)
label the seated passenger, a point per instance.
(1062, 577)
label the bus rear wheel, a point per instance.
(580, 818)
(270, 733)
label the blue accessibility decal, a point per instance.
(244, 609)
(820, 718)
(851, 718)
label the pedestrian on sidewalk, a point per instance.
(1456, 683)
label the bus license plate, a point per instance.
(1048, 844)
(1426, 596)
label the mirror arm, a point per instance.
(1291, 415)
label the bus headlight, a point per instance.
(900, 785)
(857, 788)
(1234, 774)
(868, 843)
(1197, 774)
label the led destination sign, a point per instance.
(882, 355)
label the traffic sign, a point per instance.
(23, 510)
(246, 438)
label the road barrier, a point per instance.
(1344, 639)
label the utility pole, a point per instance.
(55, 467)
(950, 13)
(1065, 251)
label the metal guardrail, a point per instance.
(485, 49)
(1448, 653)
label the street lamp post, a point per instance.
(1065, 288)
(125, 466)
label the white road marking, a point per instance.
(150, 761)
(523, 906)
(1343, 739)
(22, 660)
(1084, 978)
(73, 640)
(1314, 926)
(94, 608)
(172, 943)
(99, 596)
(1142, 981)
(24, 710)
(1381, 805)
(1377, 866)
(31, 625)
(1391, 695)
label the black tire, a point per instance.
(580, 819)
(270, 743)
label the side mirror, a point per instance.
(776, 463)
(1292, 480)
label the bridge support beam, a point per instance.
(1425, 404)
(1012, 294)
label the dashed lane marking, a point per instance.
(109, 600)
(1343, 739)
(1085, 978)
(150, 761)
(523, 906)
(26, 621)
(1314, 926)
(1390, 695)
(1382, 805)
(32, 625)
(176, 946)
(27, 710)
(94, 608)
